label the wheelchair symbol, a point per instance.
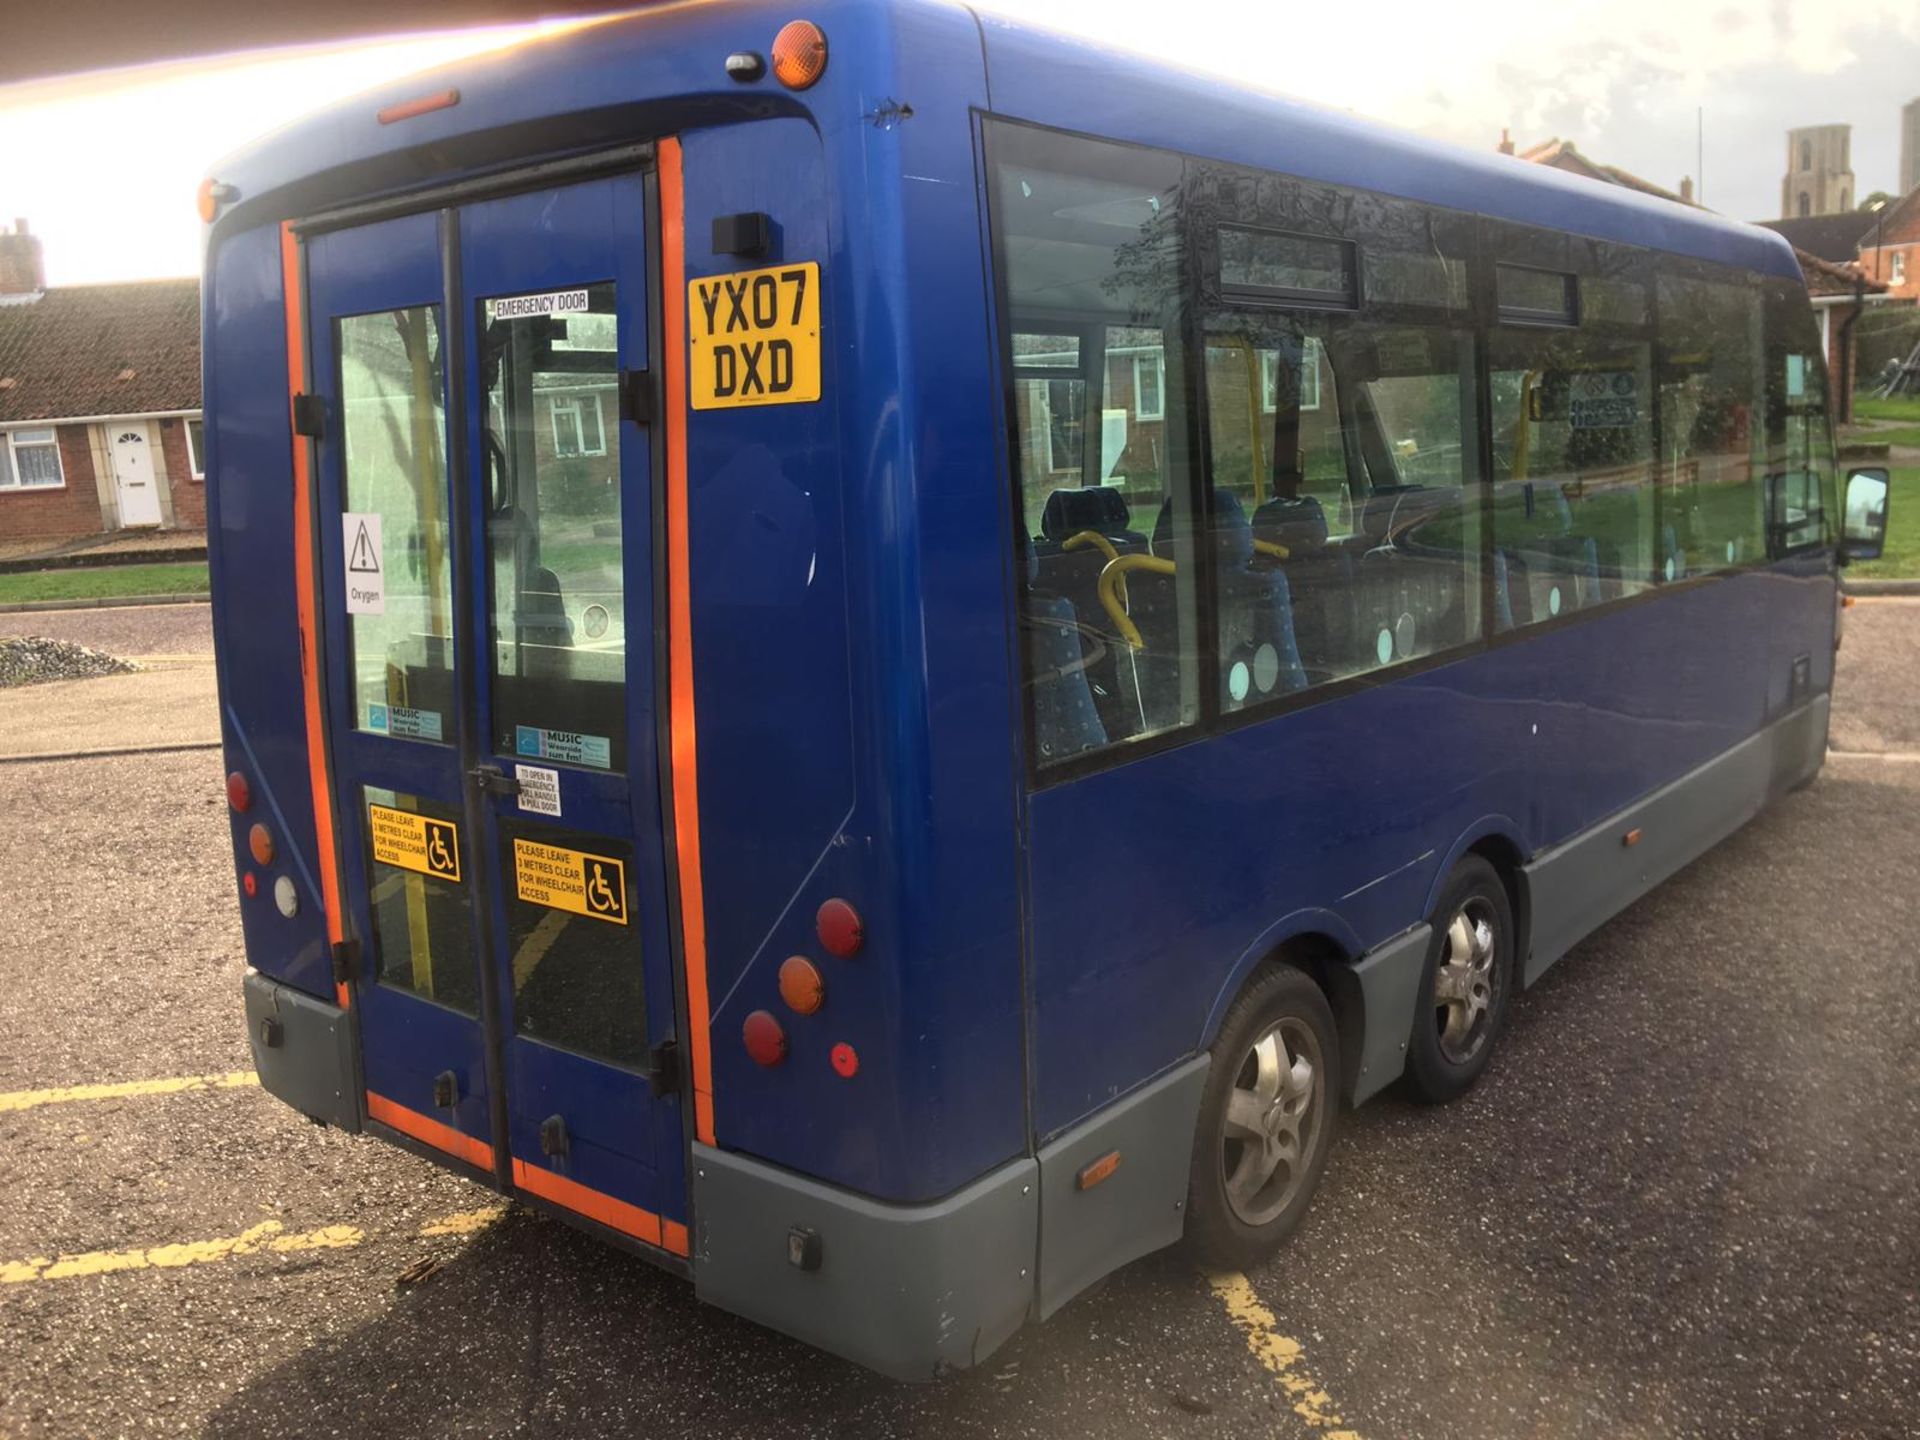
(602, 898)
(443, 857)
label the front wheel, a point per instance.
(1267, 1120)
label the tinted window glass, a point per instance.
(1090, 258)
(1301, 266)
(1346, 486)
(1573, 503)
(1800, 464)
(1712, 419)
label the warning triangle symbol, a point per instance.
(363, 561)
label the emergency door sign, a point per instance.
(365, 569)
(755, 337)
(412, 841)
(572, 880)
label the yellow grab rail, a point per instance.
(1273, 548)
(1112, 577)
(1081, 538)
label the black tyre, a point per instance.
(1466, 986)
(1267, 1120)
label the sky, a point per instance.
(104, 166)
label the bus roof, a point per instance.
(573, 84)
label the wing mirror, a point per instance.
(1865, 532)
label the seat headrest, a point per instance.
(1232, 535)
(1299, 524)
(1084, 507)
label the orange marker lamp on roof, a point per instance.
(799, 54)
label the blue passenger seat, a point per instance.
(1065, 719)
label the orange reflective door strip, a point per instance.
(306, 599)
(686, 779)
(428, 1131)
(614, 1214)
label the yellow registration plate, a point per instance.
(754, 337)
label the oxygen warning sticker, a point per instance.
(754, 337)
(590, 885)
(415, 842)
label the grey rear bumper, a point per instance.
(303, 1050)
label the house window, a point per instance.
(1899, 271)
(197, 447)
(30, 460)
(576, 426)
(1149, 373)
(1806, 205)
(1309, 377)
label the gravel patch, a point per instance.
(34, 659)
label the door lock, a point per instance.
(553, 1137)
(446, 1089)
(492, 780)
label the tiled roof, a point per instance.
(1564, 155)
(1826, 278)
(1834, 238)
(130, 349)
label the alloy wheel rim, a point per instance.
(1273, 1121)
(1467, 981)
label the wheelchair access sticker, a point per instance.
(415, 842)
(590, 885)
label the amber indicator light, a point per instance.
(1096, 1171)
(1632, 837)
(260, 842)
(799, 54)
(421, 105)
(801, 986)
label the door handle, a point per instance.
(492, 780)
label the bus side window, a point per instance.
(1573, 502)
(1800, 463)
(1090, 257)
(1349, 448)
(1712, 409)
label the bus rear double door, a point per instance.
(485, 512)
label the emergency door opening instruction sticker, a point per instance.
(755, 337)
(411, 841)
(366, 582)
(572, 880)
(539, 789)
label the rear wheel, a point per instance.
(1466, 984)
(1267, 1120)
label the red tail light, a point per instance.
(766, 1041)
(239, 792)
(840, 929)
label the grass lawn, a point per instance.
(1901, 559)
(1905, 408)
(102, 581)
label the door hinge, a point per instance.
(636, 396)
(345, 953)
(492, 780)
(309, 415)
(663, 1068)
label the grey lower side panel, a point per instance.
(1389, 978)
(908, 1290)
(303, 1050)
(1140, 1208)
(1576, 887)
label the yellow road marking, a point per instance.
(268, 1238)
(1281, 1354)
(126, 1089)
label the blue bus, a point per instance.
(885, 657)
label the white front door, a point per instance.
(133, 476)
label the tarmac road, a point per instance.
(1685, 1200)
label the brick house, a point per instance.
(99, 403)
(1890, 249)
